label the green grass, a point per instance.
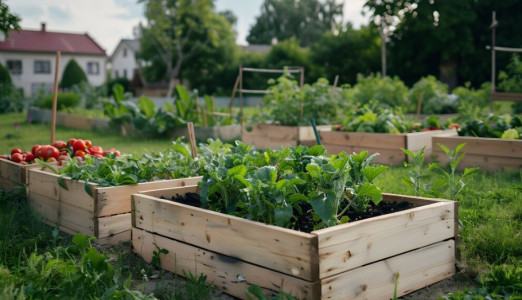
(490, 211)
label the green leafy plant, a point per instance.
(372, 117)
(294, 106)
(275, 187)
(434, 96)
(388, 91)
(64, 101)
(493, 126)
(449, 182)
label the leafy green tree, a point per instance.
(72, 75)
(445, 38)
(10, 97)
(185, 39)
(346, 54)
(305, 20)
(287, 53)
(8, 21)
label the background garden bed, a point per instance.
(105, 213)
(388, 145)
(264, 136)
(489, 154)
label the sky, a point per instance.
(109, 21)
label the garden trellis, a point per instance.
(500, 96)
(238, 86)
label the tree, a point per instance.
(346, 54)
(180, 32)
(8, 21)
(305, 20)
(445, 38)
(73, 74)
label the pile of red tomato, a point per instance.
(58, 151)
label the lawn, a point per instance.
(490, 227)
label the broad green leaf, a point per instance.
(367, 189)
(88, 188)
(459, 147)
(61, 183)
(444, 148)
(373, 171)
(237, 170)
(147, 106)
(283, 215)
(314, 170)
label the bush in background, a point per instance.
(123, 81)
(435, 97)
(65, 100)
(511, 80)
(72, 75)
(10, 96)
(387, 91)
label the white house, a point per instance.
(30, 57)
(123, 59)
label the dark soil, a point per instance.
(305, 221)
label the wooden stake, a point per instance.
(55, 97)
(419, 105)
(192, 139)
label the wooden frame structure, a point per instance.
(238, 86)
(500, 96)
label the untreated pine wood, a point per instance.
(227, 273)
(502, 96)
(416, 269)
(277, 248)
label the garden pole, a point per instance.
(192, 139)
(317, 137)
(55, 96)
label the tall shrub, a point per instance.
(10, 97)
(72, 75)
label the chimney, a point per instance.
(43, 26)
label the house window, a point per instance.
(42, 67)
(93, 68)
(124, 52)
(125, 73)
(116, 74)
(14, 67)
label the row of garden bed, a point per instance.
(358, 259)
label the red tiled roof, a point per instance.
(45, 41)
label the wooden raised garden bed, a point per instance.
(68, 120)
(489, 154)
(105, 215)
(264, 136)
(357, 260)
(388, 145)
(14, 174)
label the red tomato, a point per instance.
(71, 142)
(60, 144)
(17, 157)
(35, 147)
(40, 152)
(28, 156)
(4, 156)
(88, 144)
(64, 152)
(454, 125)
(52, 152)
(16, 150)
(79, 145)
(79, 153)
(96, 150)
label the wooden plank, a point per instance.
(77, 122)
(71, 217)
(364, 139)
(306, 133)
(43, 183)
(117, 200)
(484, 162)
(16, 172)
(112, 225)
(482, 146)
(348, 246)
(417, 269)
(416, 140)
(280, 249)
(502, 96)
(228, 274)
(115, 239)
